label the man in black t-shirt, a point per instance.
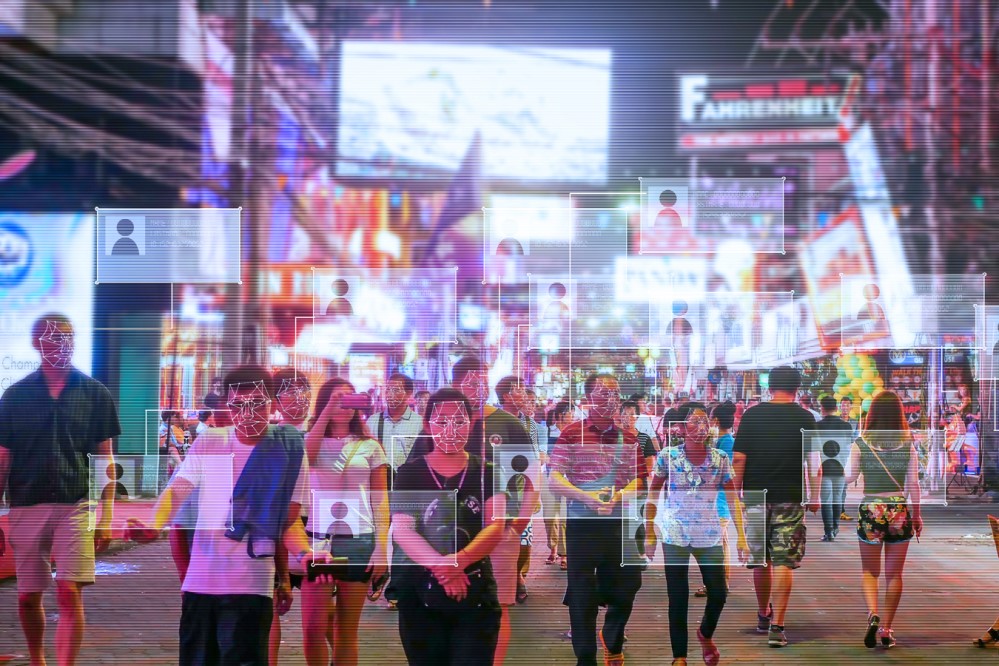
(50, 422)
(769, 458)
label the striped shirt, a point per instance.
(584, 454)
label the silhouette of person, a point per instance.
(339, 526)
(510, 247)
(114, 472)
(872, 314)
(339, 306)
(667, 216)
(680, 327)
(556, 308)
(125, 245)
(519, 483)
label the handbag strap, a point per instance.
(891, 476)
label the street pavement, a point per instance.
(951, 596)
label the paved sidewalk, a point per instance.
(950, 597)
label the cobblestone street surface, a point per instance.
(950, 597)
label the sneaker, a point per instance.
(521, 594)
(835, 532)
(610, 659)
(871, 637)
(392, 605)
(887, 638)
(777, 638)
(763, 621)
(826, 538)
(844, 516)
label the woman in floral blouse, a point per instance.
(693, 474)
(889, 515)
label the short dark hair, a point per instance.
(448, 394)
(506, 386)
(686, 408)
(725, 414)
(785, 379)
(38, 328)
(630, 403)
(827, 403)
(356, 425)
(406, 380)
(635, 397)
(592, 379)
(846, 398)
(250, 374)
(465, 365)
(167, 415)
(422, 392)
(204, 415)
(561, 409)
(289, 375)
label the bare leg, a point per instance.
(894, 564)
(69, 630)
(783, 581)
(870, 562)
(350, 598)
(316, 603)
(503, 641)
(763, 579)
(32, 615)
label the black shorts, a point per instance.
(224, 629)
(357, 550)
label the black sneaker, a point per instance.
(826, 538)
(871, 637)
(777, 637)
(763, 621)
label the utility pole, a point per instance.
(243, 322)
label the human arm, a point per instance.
(853, 466)
(732, 498)
(378, 564)
(314, 438)
(814, 470)
(738, 471)
(282, 593)
(4, 471)
(169, 502)
(651, 511)
(913, 491)
(561, 487)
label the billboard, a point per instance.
(411, 109)
(748, 111)
(46, 265)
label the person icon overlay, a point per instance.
(519, 482)
(125, 245)
(510, 247)
(871, 313)
(668, 217)
(339, 527)
(340, 305)
(114, 472)
(557, 310)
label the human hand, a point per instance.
(139, 532)
(283, 597)
(813, 506)
(378, 564)
(102, 538)
(743, 549)
(650, 544)
(317, 557)
(917, 525)
(595, 499)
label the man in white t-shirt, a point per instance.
(397, 428)
(227, 608)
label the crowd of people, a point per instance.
(698, 474)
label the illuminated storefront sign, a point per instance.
(756, 110)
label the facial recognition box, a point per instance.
(681, 326)
(922, 312)
(343, 523)
(550, 240)
(586, 314)
(688, 517)
(987, 343)
(393, 305)
(208, 507)
(517, 473)
(746, 329)
(168, 245)
(696, 215)
(435, 516)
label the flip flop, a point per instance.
(551, 559)
(711, 655)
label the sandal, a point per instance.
(551, 560)
(871, 637)
(563, 565)
(701, 592)
(711, 654)
(679, 661)
(987, 642)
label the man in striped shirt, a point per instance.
(593, 464)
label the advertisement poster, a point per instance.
(838, 250)
(46, 266)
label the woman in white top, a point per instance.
(348, 468)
